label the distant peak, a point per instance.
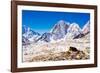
(74, 23)
(61, 21)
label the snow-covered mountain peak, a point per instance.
(86, 28)
(29, 34)
(61, 22)
(59, 26)
(73, 31)
(74, 27)
(59, 30)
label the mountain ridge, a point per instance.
(60, 30)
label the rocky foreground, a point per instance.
(62, 50)
(68, 55)
(51, 56)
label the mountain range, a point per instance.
(28, 35)
(60, 30)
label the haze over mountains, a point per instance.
(61, 30)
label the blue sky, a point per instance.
(43, 21)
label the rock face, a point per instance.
(45, 37)
(79, 36)
(85, 31)
(25, 41)
(59, 30)
(86, 28)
